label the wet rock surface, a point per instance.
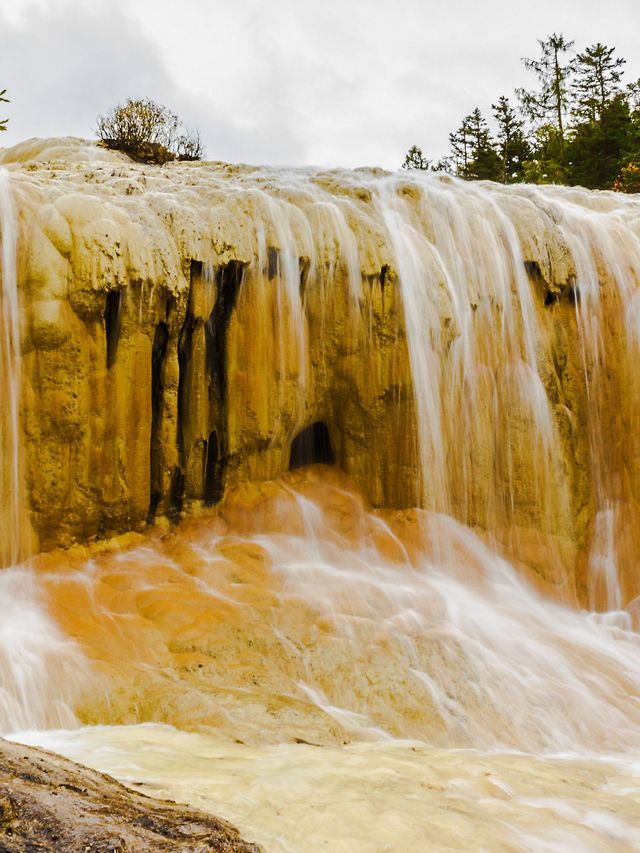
(469, 349)
(48, 803)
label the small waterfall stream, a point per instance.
(40, 670)
(12, 492)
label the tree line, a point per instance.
(580, 125)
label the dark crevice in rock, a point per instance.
(532, 268)
(273, 262)
(228, 282)
(304, 265)
(112, 317)
(176, 494)
(214, 471)
(184, 360)
(169, 308)
(158, 355)
(311, 446)
(201, 417)
(550, 292)
(384, 272)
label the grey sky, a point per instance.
(329, 82)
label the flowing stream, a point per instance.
(326, 674)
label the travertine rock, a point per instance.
(183, 324)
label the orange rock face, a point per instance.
(467, 349)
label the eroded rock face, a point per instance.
(48, 803)
(470, 349)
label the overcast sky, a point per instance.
(325, 82)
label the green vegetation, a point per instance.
(148, 133)
(415, 159)
(578, 125)
(3, 121)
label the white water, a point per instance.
(42, 673)
(40, 670)
(12, 498)
(342, 626)
(414, 661)
(373, 797)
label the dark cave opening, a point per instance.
(312, 446)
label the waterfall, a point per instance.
(40, 670)
(456, 572)
(12, 492)
(42, 673)
(468, 348)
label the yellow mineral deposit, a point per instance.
(398, 415)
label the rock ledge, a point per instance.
(48, 803)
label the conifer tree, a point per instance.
(513, 147)
(442, 165)
(596, 81)
(415, 159)
(599, 148)
(473, 152)
(628, 178)
(550, 103)
(460, 142)
(484, 163)
(632, 94)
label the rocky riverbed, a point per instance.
(50, 803)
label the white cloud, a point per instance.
(334, 82)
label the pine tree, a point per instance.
(551, 102)
(628, 178)
(415, 159)
(632, 93)
(597, 75)
(513, 147)
(444, 164)
(599, 149)
(484, 163)
(473, 153)
(460, 142)
(547, 164)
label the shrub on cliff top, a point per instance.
(148, 133)
(3, 121)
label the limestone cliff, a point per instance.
(467, 348)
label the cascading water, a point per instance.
(604, 247)
(293, 619)
(331, 633)
(12, 496)
(40, 671)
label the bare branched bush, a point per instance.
(3, 121)
(148, 132)
(190, 146)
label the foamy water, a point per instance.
(375, 797)
(351, 691)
